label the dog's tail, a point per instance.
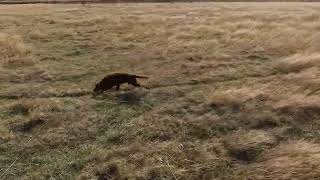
(140, 77)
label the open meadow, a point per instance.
(235, 91)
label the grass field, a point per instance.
(234, 91)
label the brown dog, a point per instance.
(117, 79)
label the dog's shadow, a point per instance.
(130, 97)
(127, 97)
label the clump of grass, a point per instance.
(247, 145)
(12, 46)
(21, 108)
(292, 160)
(298, 62)
(38, 106)
(13, 51)
(29, 125)
(165, 128)
(5, 133)
(115, 116)
(48, 105)
(234, 97)
(115, 113)
(38, 35)
(61, 163)
(111, 172)
(299, 107)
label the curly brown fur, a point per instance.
(117, 79)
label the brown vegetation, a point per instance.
(294, 160)
(234, 91)
(13, 50)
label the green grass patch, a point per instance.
(61, 164)
(114, 117)
(5, 114)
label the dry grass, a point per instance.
(247, 146)
(294, 160)
(13, 50)
(298, 62)
(234, 91)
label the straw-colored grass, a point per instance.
(234, 91)
(294, 160)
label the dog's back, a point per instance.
(115, 80)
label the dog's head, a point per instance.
(97, 89)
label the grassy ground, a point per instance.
(234, 91)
